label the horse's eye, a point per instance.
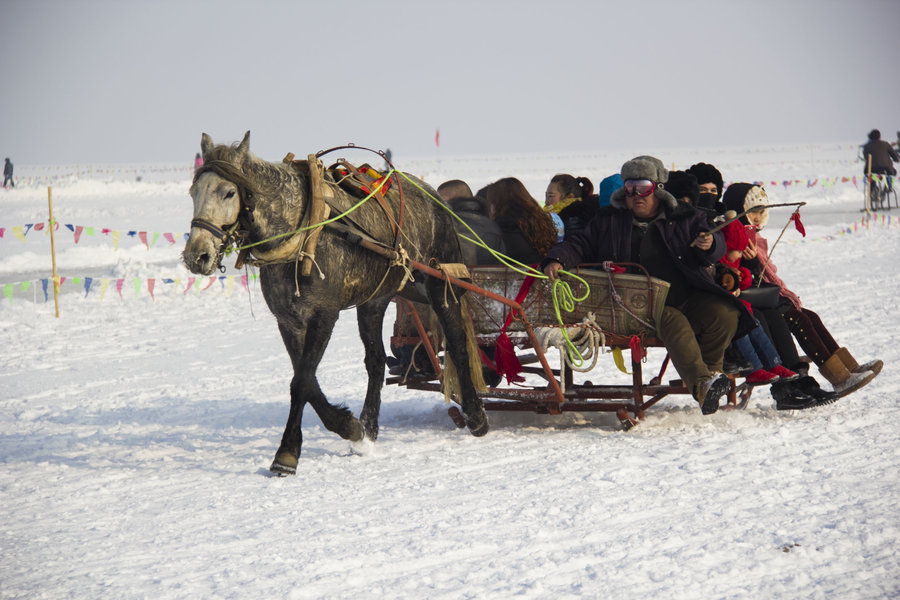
(229, 195)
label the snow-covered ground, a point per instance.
(136, 431)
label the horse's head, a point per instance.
(218, 191)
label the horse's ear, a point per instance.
(206, 144)
(243, 148)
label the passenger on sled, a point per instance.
(834, 361)
(475, 216)
(645, 224)
(528, 232)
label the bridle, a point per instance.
(228, 234)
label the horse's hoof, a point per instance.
(355, 431)
(285, 463)
(478, 424)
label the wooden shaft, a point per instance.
(53, 252)
(868, 204)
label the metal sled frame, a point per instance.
(629, 402)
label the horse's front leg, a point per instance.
(370, 320)
(306, 344)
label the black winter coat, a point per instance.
(608, 238)
(472, 212)
(883, 156)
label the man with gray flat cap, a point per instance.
(645, 224)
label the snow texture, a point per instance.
(136, 433)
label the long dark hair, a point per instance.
(510, 202)
(579, 187)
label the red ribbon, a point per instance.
(795, 217)
(505, 358)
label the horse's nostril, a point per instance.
(203, 258)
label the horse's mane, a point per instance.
(257, 178)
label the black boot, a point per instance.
(810, 386)
(789, 397)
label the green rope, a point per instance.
(231, 249)
(561, 292)
(564, 297)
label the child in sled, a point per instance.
(835, 362)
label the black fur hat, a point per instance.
(682, 184)
(706, 173)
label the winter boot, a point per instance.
(854, 367)
(789, 397)
(841, 379)
(709, 390)
(810, 387)
(761, 377)
(784, 373)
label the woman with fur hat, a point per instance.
(835, 362)
(645, 224)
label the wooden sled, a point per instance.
(620, 314)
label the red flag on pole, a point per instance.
(795, 217)
(437, 137)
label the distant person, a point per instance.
(883, 157)
(474, 213)
(8, 174)
(387, 159)
(896, 143)
(572, 198)
(198, 161)
(528, 232)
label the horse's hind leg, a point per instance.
(370, 319)
(451, 320)
(306, 345)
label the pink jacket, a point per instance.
(770, 271)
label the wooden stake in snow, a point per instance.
(868, 203)
(53, 252)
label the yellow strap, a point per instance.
(619, 360)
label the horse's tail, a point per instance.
(451, 377)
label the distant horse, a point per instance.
(238, 196)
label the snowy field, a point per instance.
(137, 429)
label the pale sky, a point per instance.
(96, 81)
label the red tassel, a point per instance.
(507, 362)
(636, 348)
(798, 224)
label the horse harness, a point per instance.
(301, 245)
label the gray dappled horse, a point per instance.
(234, 190)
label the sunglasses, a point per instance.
(639, 187)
